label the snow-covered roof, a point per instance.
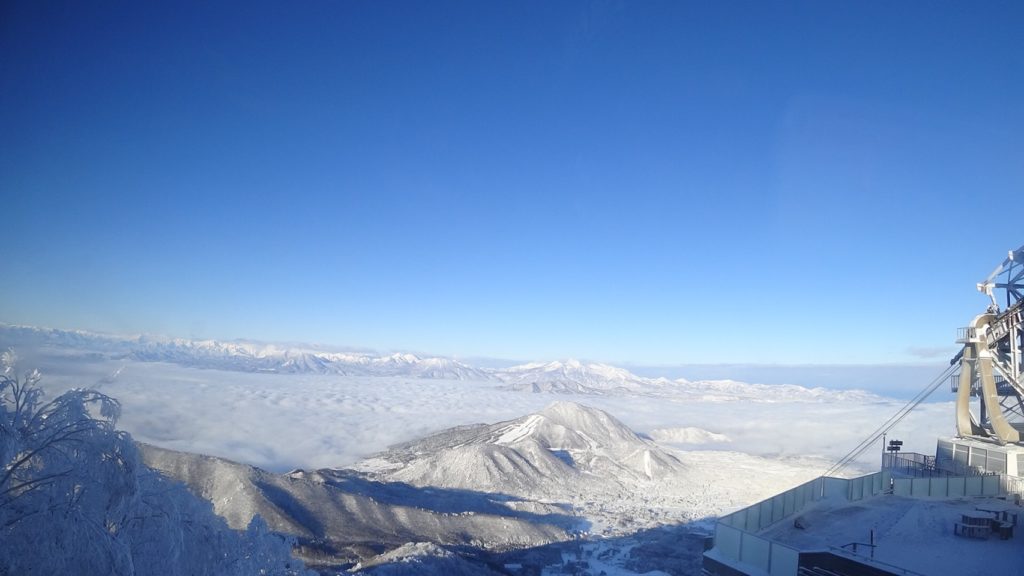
(917, 534)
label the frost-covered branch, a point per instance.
(76, 498)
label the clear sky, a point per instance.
(644, 182)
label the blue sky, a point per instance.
(652, 183)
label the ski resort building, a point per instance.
(958, 512)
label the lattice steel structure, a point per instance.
(990, 362)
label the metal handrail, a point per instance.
(1005, 324)
(855, 544)
(966, 334)
(867, 560)
(1003, 385)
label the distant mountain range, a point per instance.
(572, 376)
(559, 377)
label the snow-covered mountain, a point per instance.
(341, 518)
(731, 390)
(575, 377)
(613, 479)
(509, 488)
(30, 337)
(515, 490)
(522, 485)
(564, 448)
(254, 357)
(558, 377)
(242, 356)
(571, 376)
(687, 435)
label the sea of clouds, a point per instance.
(285, 421)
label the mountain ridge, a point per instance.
(340, 518)
(565, 452)
(568, 377)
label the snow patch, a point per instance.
(687, 435)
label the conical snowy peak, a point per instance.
(540, 429)
(569, 377)
(595, 424)
(400, 358)
(563, 447)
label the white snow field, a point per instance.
(915, 534)
(615, 481)
(627, 456)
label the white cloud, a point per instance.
(931, 352)
(285, 421)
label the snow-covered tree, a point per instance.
(75, 498)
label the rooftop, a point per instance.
(917, 534)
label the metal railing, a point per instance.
(911, 464)
(1007, 322)
(1014, 486)
(916, 465)
(953, 467)
(1003, 386)
(872, 562)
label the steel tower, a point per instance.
(991, 362)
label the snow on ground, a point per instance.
(913, 533)
(286, 421)
(598, 558)
(736, 443)
(688, 435)
(585, 458)
(742, 449)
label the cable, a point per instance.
(895, 419)
(892, 421)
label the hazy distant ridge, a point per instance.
(559, 377)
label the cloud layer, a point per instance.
(283, 421)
